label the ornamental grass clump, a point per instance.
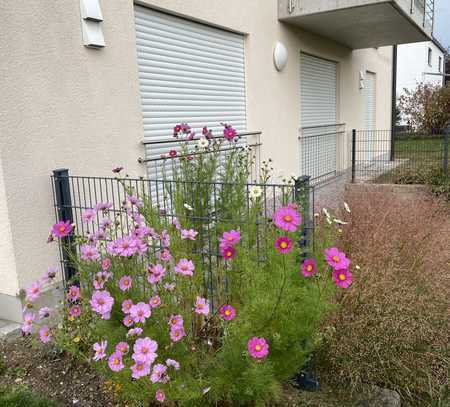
(185, 307)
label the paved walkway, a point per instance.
(8, 327)
(330, 195)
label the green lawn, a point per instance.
(19, 396)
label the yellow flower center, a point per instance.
(116, 361)
(336, 259)
(287, 218)
(230, 238)
(227, 312)
(342, 277)
(258, 348)
(309, 267)
(155, 301)
(62, 229)
(126, 282)
(139, 367)
(283, 245)
(229, 253)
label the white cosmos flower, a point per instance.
(347, 208)
(326, 213)
(203, 142)
(188, 207)
(357, 267)
(255, 192)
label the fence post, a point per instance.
(446, 137)
(353, 154)
(304, 196)
(64, 213)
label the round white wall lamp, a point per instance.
(280, 56)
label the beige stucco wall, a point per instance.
(64, 105)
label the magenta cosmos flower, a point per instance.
(115, 362)
(89, 252)
(125, 283)
(88, 215)
(27, 325)
(45, 334)
(229, 133)
(140, 312)
(62, 229)
(100, 350)
(128, 321)
(176, 320)
(342, 278)
(185, 267)
(74, 293)
(283, 245)
(145, 350)
(228, 252)
(102, 302)
(337, 259)
(164, 255)
(34, 291)
(258, 348)
(309, 267)
(227, 312)
(122, 347)
(106, 264)
(201, 306)
(230, 238)
(75, 311)
(287, 218)
(160, 396)
(155, 301)
(158, 373)
(140, 369)
(155, 273)
(177, 333)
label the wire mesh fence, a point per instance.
(210, 208)
(324, 152)
(378, 157)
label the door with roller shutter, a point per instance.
(188, 72)
(318, 116)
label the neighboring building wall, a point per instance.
(64, 105)
(413, 67)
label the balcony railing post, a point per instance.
(353, 154)
(63, 201)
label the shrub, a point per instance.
(392, 329)
(182, 298)
(21, 397)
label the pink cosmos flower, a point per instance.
(106, 264)
(103, 206)
(164, 255)
(89, 252)
(126, 246)
(229, 132)
(158, 373)
(337, 259)
(177, 333)
(62, 229)
(173, 153)
(185, 267)
(134, 200)
(155, 301)
(126, 306)
(140, 312)
(201, 306)
(283, 245)
(155, 273)
(287, 218)
(88, 215)
(128, 321)
(45, 334)
(100, 279)
(75, 311)
(145, 350)
(160, 396)
(44, 312)
(134, 332)
(106, 223)
(115, 362)
(170, 286)
(49, 275)
(258, 348)
(125, 283)
(74, 293)
(34, 291)
(102, 302)
(188, 234)
(165, 239)
(173, 363)
(228, 252)
(227, 312)
(27, 325)
(230, 238)
(140, 369)
(176, 223)
(342, 278)
(122, 347)
(309, 267)
(176, 320)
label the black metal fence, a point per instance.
(408, 157)
(324, 152)
(210, 208)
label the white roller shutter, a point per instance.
(318, 91)
(318, 116)
(188, 72)
(370, 101)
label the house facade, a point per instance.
(83, 86)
